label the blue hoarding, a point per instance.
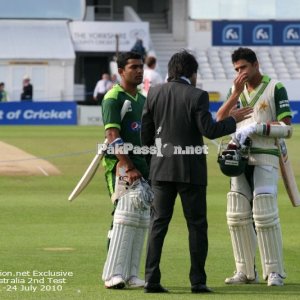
(255, 33)
(38, 113)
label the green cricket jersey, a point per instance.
(130, 126)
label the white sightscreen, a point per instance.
(244, 9)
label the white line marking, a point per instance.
(43, 171)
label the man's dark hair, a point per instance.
(123, 58)
(182, 63)
(244, 53)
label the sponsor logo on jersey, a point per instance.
(135, 126)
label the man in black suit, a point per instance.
(176, 117)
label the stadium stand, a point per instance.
(277, 62)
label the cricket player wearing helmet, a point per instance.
(252, 211)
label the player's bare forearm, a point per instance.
(112, 134)
(132, 173)
(224, 110)
(230, 104)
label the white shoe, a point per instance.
(135, 282)
(241, 278)
(275, 279)
(116, 282)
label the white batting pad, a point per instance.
(130, 225)
(137, 244)
(265, 213)
(126, 222)
(243, 238)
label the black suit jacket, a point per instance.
(177, 114)
(27, 92)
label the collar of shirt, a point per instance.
(186, 79)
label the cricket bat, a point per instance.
(93, 167)
(288, 174)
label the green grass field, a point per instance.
(42, 232)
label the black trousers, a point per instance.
(193, 199)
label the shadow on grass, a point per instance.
(257, 290)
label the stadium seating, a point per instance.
(277, 62)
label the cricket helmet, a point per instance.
(232, 160)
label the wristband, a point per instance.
(118, 141)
